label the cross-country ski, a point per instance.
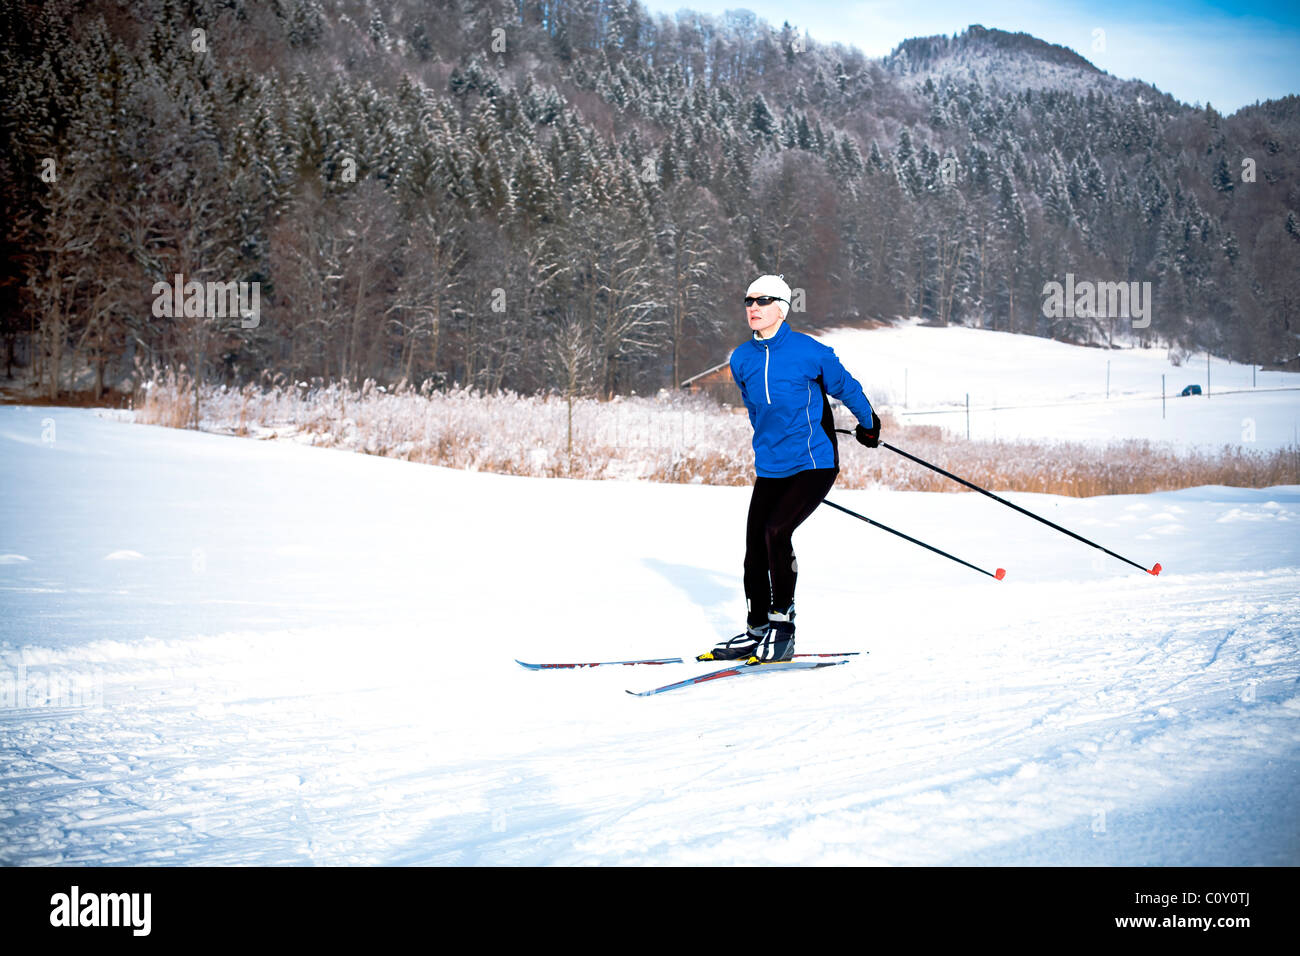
(660, 660)
(740, 670)
(543, 667)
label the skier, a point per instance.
(784, 377)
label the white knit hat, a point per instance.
(773, 286)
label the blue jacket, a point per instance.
(784, 382)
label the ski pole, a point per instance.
(1001, 572)
(983, 491)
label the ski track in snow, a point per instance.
(311, 661)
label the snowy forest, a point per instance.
(571, 195)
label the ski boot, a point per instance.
(778, 644)
(741, 647)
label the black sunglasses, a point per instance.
(761, 300)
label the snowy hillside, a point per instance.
(1021, 386)
(224, 651)
(1000, 60)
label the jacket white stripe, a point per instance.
(808, 415)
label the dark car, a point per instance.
(1192, 390)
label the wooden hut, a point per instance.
(716, 382)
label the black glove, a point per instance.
(869, 436)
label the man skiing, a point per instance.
(784, 377)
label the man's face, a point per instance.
(763, 319)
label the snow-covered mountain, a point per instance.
(1000, 60)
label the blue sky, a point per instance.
(1225, 53)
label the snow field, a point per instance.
(1022, 387)
(311, 661)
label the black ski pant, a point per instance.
(776, 508)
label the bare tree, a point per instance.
(434, 254)
(950, 238)
(306, 251)
(61, 273)
(370, 231)
(568, 360)
(612, 279)
(691, 256)
(535, 266)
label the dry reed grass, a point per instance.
(669, 438)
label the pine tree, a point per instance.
(875, 161)
(1056, 198)
(850, 158)
(1221, 178)
(909, 177)
(762, 125)
(533, 189)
